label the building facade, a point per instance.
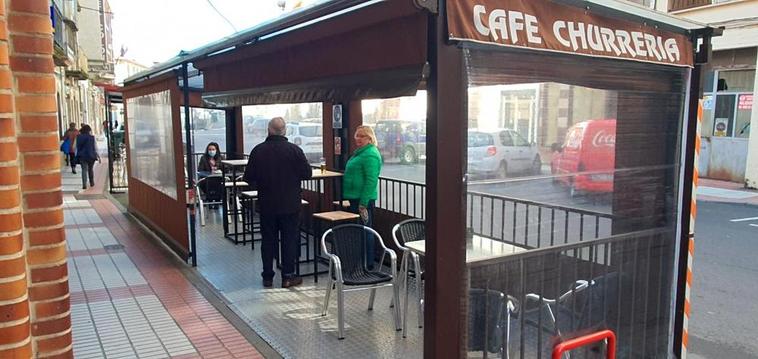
(35, 320)
(729, 138)
(83, 58)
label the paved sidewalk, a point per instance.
(723, 191)
(128, 298)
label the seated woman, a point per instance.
(209, 161)
(209, 165)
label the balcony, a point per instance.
(676, 5)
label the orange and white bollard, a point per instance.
(691, 236)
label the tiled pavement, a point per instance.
(128, 299)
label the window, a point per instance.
(400, 127)
(506, 139)
(518, 140)
(303, 126)
(727, 113)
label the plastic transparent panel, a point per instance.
(151, 141)
(400, 127)
(304, 126)
(208, 126)
(573, 171)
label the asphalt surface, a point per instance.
(724, 321)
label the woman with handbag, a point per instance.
(86, 155)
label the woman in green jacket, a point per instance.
(361, 178)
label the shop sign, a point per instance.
(545, 25)
(719, 126)
(707, 102)
(745, 102)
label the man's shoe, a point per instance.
(292, 282)
(268, 283)
(73, 171)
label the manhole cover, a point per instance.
(113, 247)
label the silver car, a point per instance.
(309, 137)
(501, 153)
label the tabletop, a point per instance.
(234, 163)
(336, 216)
(326, 174)
(480, 248)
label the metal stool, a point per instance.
(249, 223)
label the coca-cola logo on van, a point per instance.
(603, 138)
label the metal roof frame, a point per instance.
(298, 18)
(328, 9)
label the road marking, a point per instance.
(744, 219)
(754, 225)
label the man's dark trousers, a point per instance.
(272, 225)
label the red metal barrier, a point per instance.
(572, 344)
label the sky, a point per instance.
(156, 30)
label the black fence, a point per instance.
(532, 224)
(516, 221)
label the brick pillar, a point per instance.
(15, 333)
(33, 172)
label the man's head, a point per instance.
(72, 125)
(277, 127)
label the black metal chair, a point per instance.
(489, 314)
(210, 192)
(348, 266)
(408, 231)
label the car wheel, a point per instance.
(408, 156)
(537, 165)
(503, 169)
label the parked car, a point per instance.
(309, 136)
(257, 128)
(401, 139)
(501, 153)
(586, 161)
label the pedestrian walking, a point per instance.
(69, 145)
(277, 167)
(86, 155)
(360, 180)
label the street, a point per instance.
(724, 290)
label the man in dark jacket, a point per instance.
(277, 167)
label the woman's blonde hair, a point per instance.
(368, 132)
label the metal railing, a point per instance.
(402, 196)
(532, 224)
(622, 283)
(522, 222)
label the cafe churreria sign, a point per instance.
(544, 25)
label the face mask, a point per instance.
(212, 153)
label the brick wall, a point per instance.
(34, 300)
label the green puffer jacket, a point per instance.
(362, 174)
